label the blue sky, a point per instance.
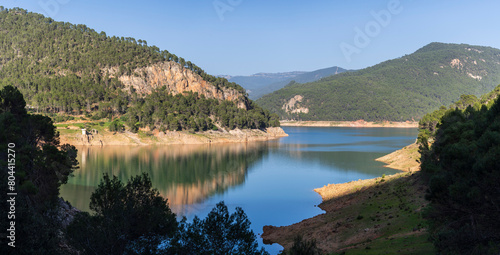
(242, 37)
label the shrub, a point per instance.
(303, 247)
(116, 126)
(123, 213)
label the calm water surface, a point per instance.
(272, 181)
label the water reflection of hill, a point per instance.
(184, 174)
(340, 160)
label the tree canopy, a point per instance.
(40, 165)
(61, 67)
(460, 149)
(401, 89)
(134, 219)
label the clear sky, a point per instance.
(243, 37)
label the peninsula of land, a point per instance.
(380, 213)
(101, 136)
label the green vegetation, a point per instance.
(429, 123)
(303, 247)
(369, 218)
(410, 245)
(192, 112)
(462, 170)
(40, 166)
(123, 213)
(65, 69)
(396, 90)
(131, 218)
(219, 233)
(391, 209)
(135, 219)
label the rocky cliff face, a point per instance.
(294, 106)
(178, 79)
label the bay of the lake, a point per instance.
(272, 181)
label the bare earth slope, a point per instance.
(381, 215)
(74, 136)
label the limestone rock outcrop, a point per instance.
(178, 79)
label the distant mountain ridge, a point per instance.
(277, 76)
(258, 80)
(301, 78)
(400, 89)
(260, 84)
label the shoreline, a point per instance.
(358, 123)
(406, 159)
(345, 225)
(100, 136)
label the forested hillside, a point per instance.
(72, 69)
(460, 148)
(429, 123)
(397, 90)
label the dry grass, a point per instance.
(375, 216)
(406, 159)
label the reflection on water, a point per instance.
(361, 162)
(184, 174)
(272, 181)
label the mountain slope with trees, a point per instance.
(460, 147)
(397, 90)
(72, 69)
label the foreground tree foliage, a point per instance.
(303, 247)
(428, 125)
(219, 233)
(129, 218)
(463, 169)
(123, 213)
(134, 219)
(41, 166)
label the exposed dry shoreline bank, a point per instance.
(100, 137)
(381, 212)
(358, 123)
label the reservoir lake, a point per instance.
(272, 181)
